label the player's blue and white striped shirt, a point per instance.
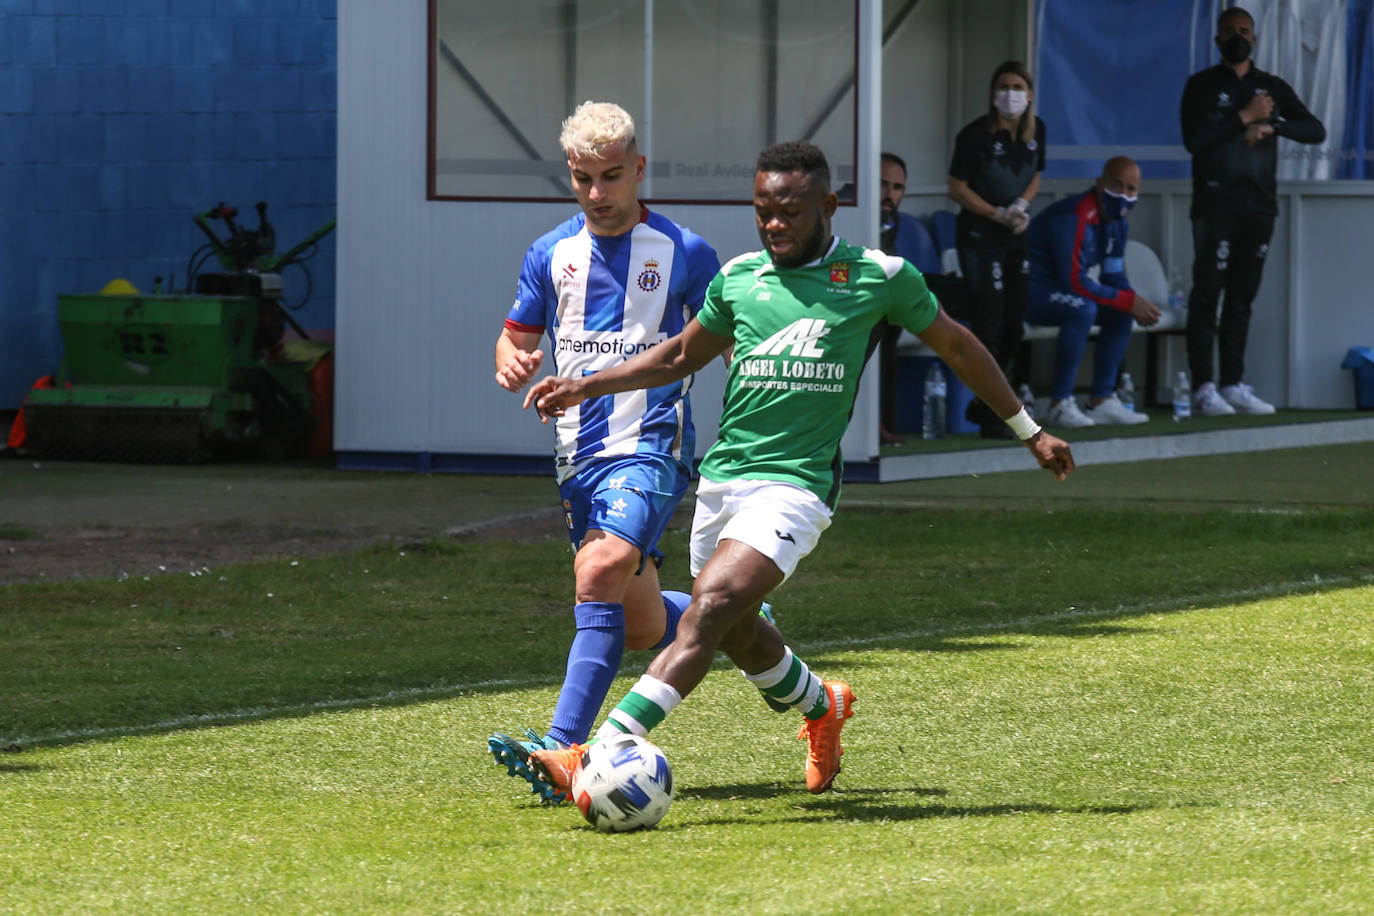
(603, 299)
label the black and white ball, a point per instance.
(625, 784)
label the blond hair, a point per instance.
(595, 126)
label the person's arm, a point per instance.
(1070, 234)
(518, 358)
(1201, 134)
(959, 192)
(675, 358)
(1145, 312)
(1292, 119)
(1033, 186)
(1019, 210)
(975, 367)
(702, 266)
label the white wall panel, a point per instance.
(1332, 243)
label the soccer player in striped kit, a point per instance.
(801, 316)
(610, 282)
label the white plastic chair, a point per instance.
(1146, 274)
(1148, 278)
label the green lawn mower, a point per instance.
(183, 377)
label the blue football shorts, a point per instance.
(632, 497)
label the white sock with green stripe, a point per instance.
(791, 682)
(646, 705)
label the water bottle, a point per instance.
(1176, 298)
(933, 404)
(1183, 396)
(1125, 391)
(1027, 399)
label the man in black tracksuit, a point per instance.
(1233, 115)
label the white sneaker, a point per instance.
(1065, 413)
(1207, 402)
(1112, 411)
(1242, 398)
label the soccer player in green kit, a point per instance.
(800, 315)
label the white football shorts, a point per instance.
(780, 520)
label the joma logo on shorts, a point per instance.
(800, 337)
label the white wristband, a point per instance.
(1022, 424)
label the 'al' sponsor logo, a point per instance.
(839, 273)
(569, 271)
(800, 337)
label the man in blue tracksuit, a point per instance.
(1066, 239)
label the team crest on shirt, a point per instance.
(839, 273)
(649, 278)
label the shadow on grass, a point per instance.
(871, 805)
(22, 767)
(765, 790)
(881, 805)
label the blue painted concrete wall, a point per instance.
(121, 119)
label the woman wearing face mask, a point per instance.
(993, 176)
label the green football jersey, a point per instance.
(801, 336)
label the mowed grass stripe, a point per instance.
(1212, 761)
(107, 655)
(1030, 623)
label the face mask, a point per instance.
(1116, 206)
(1011, 103)
(1235, 49)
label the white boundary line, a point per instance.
(1070, 614)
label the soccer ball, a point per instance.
(625, 783)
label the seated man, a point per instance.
(1066, 239)
(903, 235)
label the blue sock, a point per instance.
(593, 662)
(674, 603)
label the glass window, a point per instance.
(709, 83)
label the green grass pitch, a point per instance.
(1066, 704)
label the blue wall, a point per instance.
(121, 119)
